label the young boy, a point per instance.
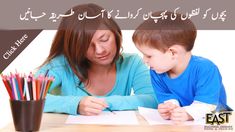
(187, 86)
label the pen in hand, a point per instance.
(91, 95)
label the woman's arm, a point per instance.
(62, 104)
(58, 103)
(118, 102)
(140, 83)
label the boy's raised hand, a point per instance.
(165, 109)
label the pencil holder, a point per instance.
(27, 115)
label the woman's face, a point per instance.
(102, 49)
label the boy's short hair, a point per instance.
(164, 33)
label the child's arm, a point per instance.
(170, 110)
(208, 90)
(179, 114)
(173, 101)
(162, 92)
(199, 109)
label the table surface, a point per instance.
(52, 122)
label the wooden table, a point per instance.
(56, 123)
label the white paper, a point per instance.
(153, 118)
(105, 118)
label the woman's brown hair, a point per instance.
(74, 36)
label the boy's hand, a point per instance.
(179, 115)
(91, 106)
(165, 109)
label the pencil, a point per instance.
(7, 87)
(46, 73)
(38, 87)
(44, 84)
(19, 85)
(9, 80)
(34, 88)
(16, 92)
(91, 95)
(26, 88)
(30, 86)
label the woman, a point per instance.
(85, 57)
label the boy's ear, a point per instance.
(174, 49)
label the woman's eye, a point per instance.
(104, 39)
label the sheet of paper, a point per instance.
(106, 118)
(153, 118)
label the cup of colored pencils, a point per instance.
(27, 97)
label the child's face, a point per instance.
(157, 60)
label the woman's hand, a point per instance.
(90, 105)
